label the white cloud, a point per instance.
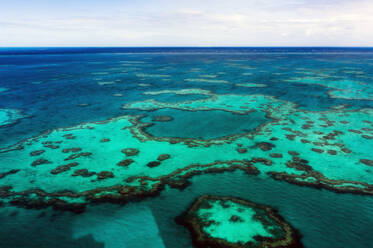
(183, 23)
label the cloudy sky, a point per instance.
(186, 23)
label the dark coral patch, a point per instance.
(235, 218)
(74, 149)
(355, 131)
(52, 146)
(153, 164)
(241, 150)
(261, 160)
(275, 155)
(367, 162)
(37, 153)
(306, 126)
(367, 136)
(4, 174)
(265, 146)
(331, 136)
(69, 136)
(162, 118)
(332, 152)
(130, 151)
(125, 162)
(367, 129)
(63, 168)
(346, 150)
(162, 157)
(317, 150)
(56, 204)
(83, 173)
(104, 175)
(293, 153)
(77, 155)
(40, 162)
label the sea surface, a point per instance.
(48, 89)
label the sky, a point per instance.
(186, 23)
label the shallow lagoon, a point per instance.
(203, 124)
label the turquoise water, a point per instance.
(226, 108)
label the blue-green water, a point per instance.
(325, 219)
(184, 123)
(56, 88)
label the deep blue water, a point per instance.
(49, 84)
(60, 87)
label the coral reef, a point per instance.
(63, 168)
(130, 151)
(125, 162)
(233, 223)
(162, 157)
(308, 148)
(9, 117)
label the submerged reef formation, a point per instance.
(162, 118)
(205, 80)
(345, 89)
(252, 85)
(190, 91)
(2, 89)
(10, 116)
(118, 161)
(216, 221)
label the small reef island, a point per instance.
(234, 223)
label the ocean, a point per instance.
(82, 131)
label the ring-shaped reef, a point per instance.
(217, 221)
(212, 124)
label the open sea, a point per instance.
(198, 105)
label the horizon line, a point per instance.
(186, 47)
